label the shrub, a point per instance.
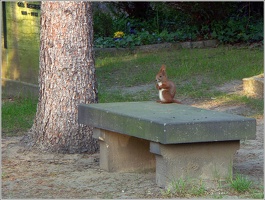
(166, 23)
(103, 24)
(237, 30)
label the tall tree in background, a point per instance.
(66, 78)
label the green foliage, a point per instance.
(185, 188)
(257, 194)
(194, 188)
(238, 30)
(178, 21)
(143, 38)
(180, 186)
(240, 183)
(231, 31)
(102, 24)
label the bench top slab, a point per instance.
(167, 123)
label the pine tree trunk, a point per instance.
(66, 78)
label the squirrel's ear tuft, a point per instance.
(163, 68)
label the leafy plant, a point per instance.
(104, 42)
(100, 18)
(166, 22)
(236, 29)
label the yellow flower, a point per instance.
(118, 34)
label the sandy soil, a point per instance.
(31, 174)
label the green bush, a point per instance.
(163, 23)
(238, 30)
(103, 24)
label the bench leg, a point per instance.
(120, 152)
(200, 161)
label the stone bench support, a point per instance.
(122, 153)
(201, 161)
(177, 141)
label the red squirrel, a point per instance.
(166, 88)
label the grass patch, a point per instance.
(239, 186)
(185, 188)
(256, 105)
(240, 183)
(195, 71)
(257, 194)
(17, 115)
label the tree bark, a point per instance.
(66, 78)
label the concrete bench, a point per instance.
(179, 141)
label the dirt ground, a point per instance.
(32, 174)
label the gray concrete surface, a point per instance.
(197, 162)
(167, 123)
(123, 153)
(185, 142)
